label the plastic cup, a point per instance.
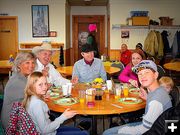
(126, 91)
(109, 84)
(82, 96)
(65, 90)
(118, 90)
(69, 88)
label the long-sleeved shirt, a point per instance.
(54, 76)
(127, 74)
(14, 91)
(38, 110)
(126, 57)
(157, 102)
(87, 73)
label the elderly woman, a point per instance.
(24, 65)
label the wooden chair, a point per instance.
(115, 76)
(175, 95)
(161, 71)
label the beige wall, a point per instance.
(22, 9)
(120, 10)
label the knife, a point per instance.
(117, 106)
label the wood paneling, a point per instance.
(115, 54)
(67, 57)
(55, 57)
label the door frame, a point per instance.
(76, 19)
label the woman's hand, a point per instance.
(143, 93)
(133, 83)
(68, 113)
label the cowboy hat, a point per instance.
(44, 46)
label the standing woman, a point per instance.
(127, 75)
(24, 65)
(91, 39)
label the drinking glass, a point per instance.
(125, 90)
(82, 96)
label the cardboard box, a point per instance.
(140, 20)
(166, 21)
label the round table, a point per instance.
(173, 66)
(108, 105)
(67, 70)
(5, 66)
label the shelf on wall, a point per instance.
(29, 46)
(149, 27)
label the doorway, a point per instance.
(8, 36)
(80, 32)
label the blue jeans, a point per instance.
(114, 130)
(64, 130)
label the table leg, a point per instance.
(94, 125)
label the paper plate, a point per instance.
(66, 101)
(129, 100)
(134, 90)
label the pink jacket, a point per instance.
(127, 74)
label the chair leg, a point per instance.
(103, 123)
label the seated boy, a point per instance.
(157, 101)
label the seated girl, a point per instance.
(35, 90)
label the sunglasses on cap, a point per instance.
(141, 67)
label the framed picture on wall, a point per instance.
(40, 20)
(125, 34)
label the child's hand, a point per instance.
(143, 93)
(133, 83)
(68, 113)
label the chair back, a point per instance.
(118, 65)
(20, 122)
(175, 95)
(161, 71)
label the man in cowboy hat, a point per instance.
(43, 54)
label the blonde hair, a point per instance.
(30, 89)
(21, 57)
(167, 81)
